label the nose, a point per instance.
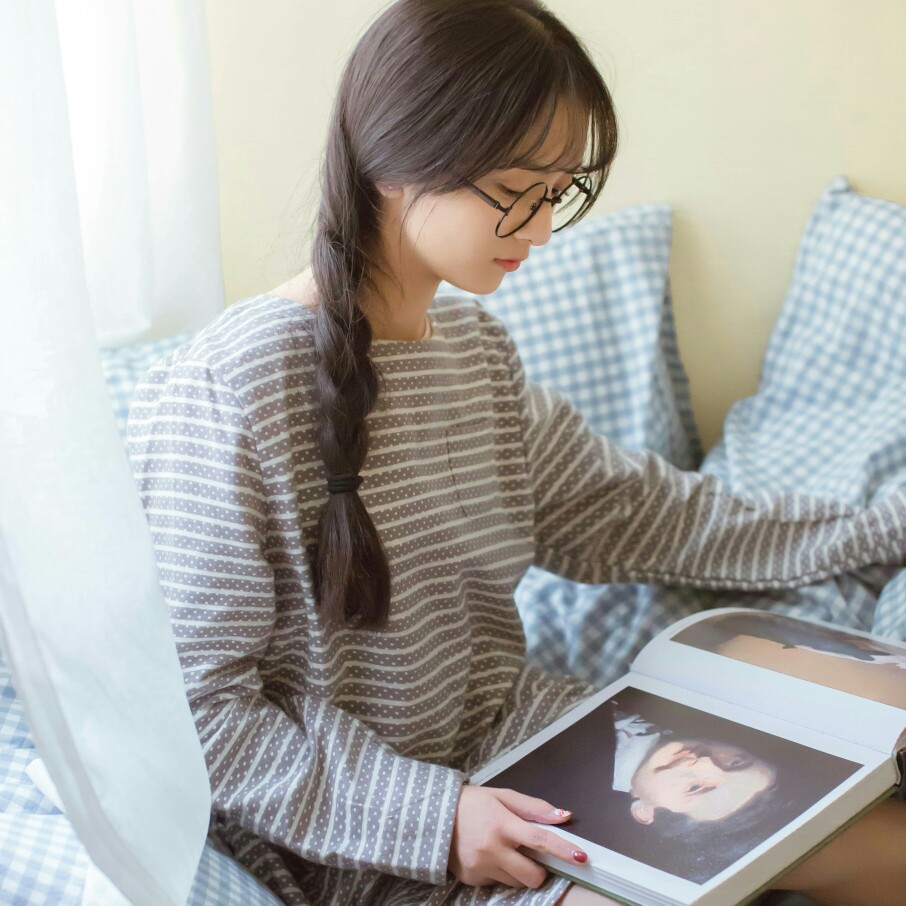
(538, 230)
(706, 769)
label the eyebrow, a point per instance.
(541, 168)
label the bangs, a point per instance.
(590, 126)
(572, 158)
(521, 92)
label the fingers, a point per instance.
(532, 809)
(498, 876)
(490, 827)
(524, 871)
(504, 877)
(549, 843)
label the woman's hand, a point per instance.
(490, 826)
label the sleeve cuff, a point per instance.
(416, 838)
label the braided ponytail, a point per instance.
(351, 571)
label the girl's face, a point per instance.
(452, 236)
(703, 779)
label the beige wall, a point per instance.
(735, 112)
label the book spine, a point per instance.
(900, 792)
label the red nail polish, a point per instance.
(579, 856)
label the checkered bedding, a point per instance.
(42, 861)
(827, 419)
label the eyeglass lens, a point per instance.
(527, 205)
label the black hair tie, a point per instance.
(340, 484)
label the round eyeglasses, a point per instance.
(567, 205)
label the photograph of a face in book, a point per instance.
(671, 786)
(866, 667)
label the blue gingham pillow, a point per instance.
(828, 414)
(125, 366)
(590, 313)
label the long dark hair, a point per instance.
(432, 93)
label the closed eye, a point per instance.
(556, 193)
(698, 789)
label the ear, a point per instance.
(389, 191)
(641, 811)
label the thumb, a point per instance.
(531, 808)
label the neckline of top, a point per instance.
(434, 340)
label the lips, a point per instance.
(509, 264)
(679, 757)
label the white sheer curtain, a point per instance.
(108, 230)
(138, 104)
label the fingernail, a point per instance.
(561, 812)
(579, 856)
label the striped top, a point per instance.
(336, 757)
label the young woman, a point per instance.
(347, 478)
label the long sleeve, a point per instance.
(317, 781)
(605, 514)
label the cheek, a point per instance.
(446, 225)
(469, 220)
(657, 788)
(734, 794)
(464, 238)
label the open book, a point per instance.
(740, 742)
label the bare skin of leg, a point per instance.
(864, 864)
(581, 896)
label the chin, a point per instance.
(478, 285)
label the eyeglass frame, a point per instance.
(553, 199)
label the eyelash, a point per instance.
(513, 193)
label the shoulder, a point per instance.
(258, 331)
(254, 345)
(469, 316)
(254, 336)
(263, 344)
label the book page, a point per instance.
(843, 682)
(674, 793)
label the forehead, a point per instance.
(561, 150)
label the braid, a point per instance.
(351, 570)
